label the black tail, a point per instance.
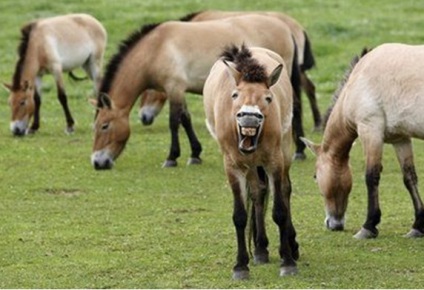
(75, 78)
(297, 107)
(308, 57)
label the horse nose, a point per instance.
(18, 132)
(107, 164)
(334, 225)
(146, 120)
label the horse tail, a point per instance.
(338, 91)
(76, 78)
(308, 57)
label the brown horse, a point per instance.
(53, 45)
(151, 103)
(169, 57)
(380, 102)
(248, 106)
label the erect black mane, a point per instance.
(124, 48)
(190, 16)
(22, 50)
(250, 69)
(338, 91)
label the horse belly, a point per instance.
(71, 54)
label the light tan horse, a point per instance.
(381, 101)
(174, 57)
(53, 45)
(248, 106)
(151, 102)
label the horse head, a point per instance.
(151, 103)
(111, 132)
(251, 102)
(21, 101)
(334, 179)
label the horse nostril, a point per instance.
(146, 120)
(240, 114)
(18, 132)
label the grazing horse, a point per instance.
(248, 105)
(53, 45)
(169, 57)
(151, 102)
(380, 101)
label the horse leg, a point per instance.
(93, 68)
(297, 115)
(259, 191)
(373, 148)
(238, 186)
(309, 88)
(289, 248)
(37, 101)
(57, 72)
(196, 147)
(406, 160)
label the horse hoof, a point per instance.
(194, 161)
(365, 234)
(299, 156)
(169, 163)
(288, 270)
(259, 259)
(69, 130)
(241, 274)
(414, 233)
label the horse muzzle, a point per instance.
(101, 160)
(334, 224)
(249, 128)
(19, 128)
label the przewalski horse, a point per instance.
(151, 103)
(170, 57)
(381, 101)
(53, 45)
(248, 105)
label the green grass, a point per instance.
(65, 225)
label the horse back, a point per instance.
(385, 90)
(68, 39)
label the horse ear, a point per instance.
(233, 71)
(275, 75)
(315, 148)
(26, 85)
(104, 101)
(7, 87)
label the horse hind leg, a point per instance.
(196, 147)
(309, 88)
(404, 154)
(57, 72)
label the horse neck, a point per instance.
(30, 66)
(128, 83)
(339, 136)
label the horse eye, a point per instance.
(268, 99)
(315, 177)
(105, 126)
(22, 103)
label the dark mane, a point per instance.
(189, 17)
(124, 48)
(22, 50)
(251, 70)
(336, 95)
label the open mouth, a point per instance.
(248, 138)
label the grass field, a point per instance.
(65, 225)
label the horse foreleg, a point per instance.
(238, 187)
(373, 148)
(309, 88)
(37, 102)
(289, 248)
(406, 160)
(196, 147)
(259, 192)
(175, 114)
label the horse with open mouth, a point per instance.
(169, 57)
(380, 101)
(53, 45)
(248, 104)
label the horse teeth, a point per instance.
(246, 131)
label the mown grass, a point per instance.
(64, 225)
